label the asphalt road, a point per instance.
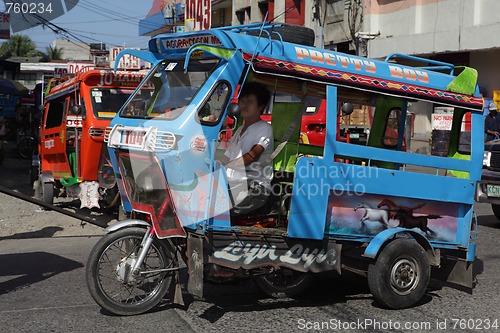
(43, 289)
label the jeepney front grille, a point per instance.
(495, 161)
(150, 138)
(97, 132)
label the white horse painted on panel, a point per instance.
(373, 214)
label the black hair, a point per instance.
(259, 90)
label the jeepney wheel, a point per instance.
(496, 211)
(283, 282)
(400, 275)
(44, 191)
(111, 282)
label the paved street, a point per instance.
(43, 289)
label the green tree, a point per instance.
(19, 46)
(55, 53)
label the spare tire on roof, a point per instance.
(289, 33)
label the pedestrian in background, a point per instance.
(491, 123)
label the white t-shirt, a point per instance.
(260, 133)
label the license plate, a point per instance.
(493, 190)
(354, 136)
(133, 138)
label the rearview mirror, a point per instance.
(75, 109)
(233, 110)
(347, 109)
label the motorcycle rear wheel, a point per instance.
(283, 282)
(26, 146)
(110, 281)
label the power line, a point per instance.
(105, 12)
(58, 30)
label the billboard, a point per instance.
(198, 15)
(126, 62)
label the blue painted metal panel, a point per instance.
(307, 217)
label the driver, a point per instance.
(247, 158)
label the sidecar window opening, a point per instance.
(55, 113)
(168, 90)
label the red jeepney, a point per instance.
(77, 111)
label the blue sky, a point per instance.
(113, 22)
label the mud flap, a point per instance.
(195, 265)
(175, 286)
(457, 272)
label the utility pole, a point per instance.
(320, 42)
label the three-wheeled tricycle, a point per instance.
(392, 215)
(70, 156)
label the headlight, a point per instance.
(486, 158)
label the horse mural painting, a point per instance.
(373, 214)
(408, 220)
(393, 208)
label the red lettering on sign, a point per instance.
(200, 12)
(133, 138)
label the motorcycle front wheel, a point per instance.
(111, 282)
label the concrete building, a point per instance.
(75, 51)
(464, 32)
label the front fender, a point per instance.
(47, 176)
(127, 223)
(381, 238)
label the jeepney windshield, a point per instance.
(168, 90)
(107, 101)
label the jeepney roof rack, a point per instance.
(429, 64)
(55, 81)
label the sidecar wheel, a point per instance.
(400, 276)
(283, 282)
(112, 284)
